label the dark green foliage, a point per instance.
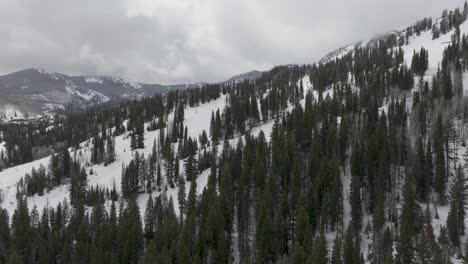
(457, 213)
(273, 198)
(355, 195)
(409, 224)
(420, 62)
(440, 160)
(130, 235)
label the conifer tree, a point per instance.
(456, 215)
(320, 251)
(337, 256)
(440, 162)
(130, 236)
(446, 250)
(298, 255)
(422, 180)
(425, 242)
(351, 248)
(149, 220)
(5, 237)
(21, 231)
(355, 192)
(110, 149)
(191, 168)
(181, 197)
(409, 220)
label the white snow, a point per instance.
(88, 95)
(339, 53)
(53, 75)
(197, 119)
(308, 86)
(39, 97)
(435, 47)
(465, 84)
(2, 144)
(128, 83)
(9, 112)
(93, 80)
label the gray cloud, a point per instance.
(176, 41)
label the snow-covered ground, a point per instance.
(2, 145)
(435, 50)
(8, 112)
(435, 47)
(91, 79)
(86, 94)
(197, 119)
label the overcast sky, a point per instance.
(185, 41)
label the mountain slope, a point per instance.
(34, 92)
(249, 76)
(354, 149)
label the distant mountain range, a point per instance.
(33, 93)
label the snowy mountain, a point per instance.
(35, 92)
(367, 147)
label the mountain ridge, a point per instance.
(34, 92)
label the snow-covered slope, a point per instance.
(32, 91)
(196, 119)
(435, 47)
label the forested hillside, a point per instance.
(361, 158)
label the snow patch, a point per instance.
(93, 80)
(86, 94)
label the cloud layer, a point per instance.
(178, 41)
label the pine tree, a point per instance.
(465, 258)
(176, 173)
(320, 251)
(191, 170)
(351, 248)
(130, 234)
(213, 130)
(14, 258)
(425, 243)
(337, 256)
(446, 250)
(355, 192)
(140, 134)
(429, 164)
(440, 162)
(158, 177)
(298, 255)
(143, 174)
(387, 247)
(78, 185)
(408, 225)
(110, 149)
(456, 215)
(181, 197)
(133, 141)
(149, 220)
(5, 237)
(21, 231)
(422, 180)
